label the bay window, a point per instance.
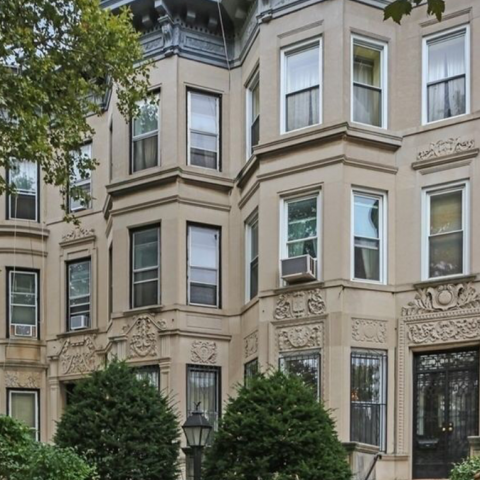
(252, 258)
(204, 130)
(305, 365)
(81, 184)
(301, 103)
(23, 406)
(446, 81)
(253, 114)
(79, 295)
(23, 309)
(23, 201)
(145, 135)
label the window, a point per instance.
(369, 82)
(145, 267)
(110, 281)
(81, 184)
(23, 406)
(23, 203)
(250, 370)
(203, 130)
(301, 227)
(301, 102)
(203, 386)
(150, 373)
(252, 258)
(368, 232)
(203, 265)
(445, 231)
(446, 81)
(79, 294)
(23, 302)
(305, 365)
(145, 135)
(369, 397)
(253, 114)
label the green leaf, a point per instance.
(397, 10)
(437, 8)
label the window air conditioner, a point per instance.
(78, 322)
(23, 330)
(299, 269)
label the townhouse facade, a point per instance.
(300, 191)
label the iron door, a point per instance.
(445, 410)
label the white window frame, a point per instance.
(252, 84)
(90, 289)
(425, 41)
(189, 264)
(153, 95)
(382, 231)
(284, 228)
(35, 394)
(382, 47)
(427, 194)
(283, 88)
(83, 181)
(252, 221)
(217, 98)
(25, 193)
(11, 273)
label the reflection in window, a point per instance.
(80, 193)
(253, 112)
(306, 366)
(23, 203)
(79, 299)
(302, 227)
(250, 370)
(145, 135)
(23, 406)
(252, 258)
(23, 301)
(150, 373)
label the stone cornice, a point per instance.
(23, 229)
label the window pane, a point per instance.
(446, 58)
(367, 259)
(23, 316)
(305, 366)
(255, 101)
(145, 248)
(23, 283)
(204, 244)
(203, 294)
(85, 151)
(145, 153)
(147, 121)
(79, 279)
(255, 132)
(303, 109)
(446, 254)
(23, 408)
(23, 207)
(201, 275)
(24, 177)
(302, 219)
(250, 370)
(446, 212)
(367, 66)
(79, 203)
(446, 99)
(253, 240)
(367, 106)
(366, 216)
(303, 69)
(254, 279)
(203, 111)
(150, 374)
(203, 158)
(145, 275)
(145, 294)
(303, 247)
(201, 141)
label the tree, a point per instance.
(400, 8)
(122, 425)
(466, 470)
(276, 429)
(58, 60)
(22, 458)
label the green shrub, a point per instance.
(466, 469)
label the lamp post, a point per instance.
(197, 429)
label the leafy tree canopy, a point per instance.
(58, 58)
(275, 429)
(22, 458)
(400, 8)
(123, 425)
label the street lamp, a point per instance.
(197, 430)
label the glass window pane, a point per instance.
(305, 366)
(145, 275)
(79, 279)
(203, 111)
(203, 294)
(303, 109)
(23, 207)
(23, 315)
(203, 158)
(446, 212)
(201, 141)
(23, 408)
(150, 374)
(147, 121)
(79, 203)
(302, 219)
(303, 247)
(255, 101)
(85, 151)
(200, 275)
(367, 65)
(204, 244)
(446, 254)
(253, 240)
(303, 69)
(23, 299)
(24, 176)
(254, 279)
(145, 248)
(367, 261)
(366, 216)
(446, 57)
(367, 106)
(145, 153)
(23, 282)
(145, 294)
(446, 99)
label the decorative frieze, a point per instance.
(443, 331)
(299, 304)
(443, 298)
(78, 233)
(22, 379)
(443, 148)
(143, 335)
(251, 344)
(369, 331)
(78, 356)
(204, 352)
(300, 337)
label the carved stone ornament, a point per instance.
(370, 331)
(78, 233)
(444, 331)
(143, 336)
(443, 298)
(22, 379)
(78, 356)
(300, 337)
(443, 148)
(204, 352)
(251, 344)
(299, 304)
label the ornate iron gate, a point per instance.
(445, 410)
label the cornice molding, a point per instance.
(23, 229)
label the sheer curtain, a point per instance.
(446, 61)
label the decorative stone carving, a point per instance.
(22, 379)
(204, 45)
(444, 331)
(370, 331)
(300, 337)
(78, 233)
(299, 304)
(204, 352)
(251, 344)
(78, 356)
(443, 298)
(442, 148)
(143, 336)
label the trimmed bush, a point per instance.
(466, 470)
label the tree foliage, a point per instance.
(58, 58)
(466, 470)
(22, 458)
(122, 425)
(276, 429)
(400, 8)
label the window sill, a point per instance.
(433, 282)
(77, 333)
(250, 304)
(152, 309)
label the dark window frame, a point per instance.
(249, 372)
(314, 354)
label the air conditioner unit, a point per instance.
(299, 269)
(23, 330)
(78, 322)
